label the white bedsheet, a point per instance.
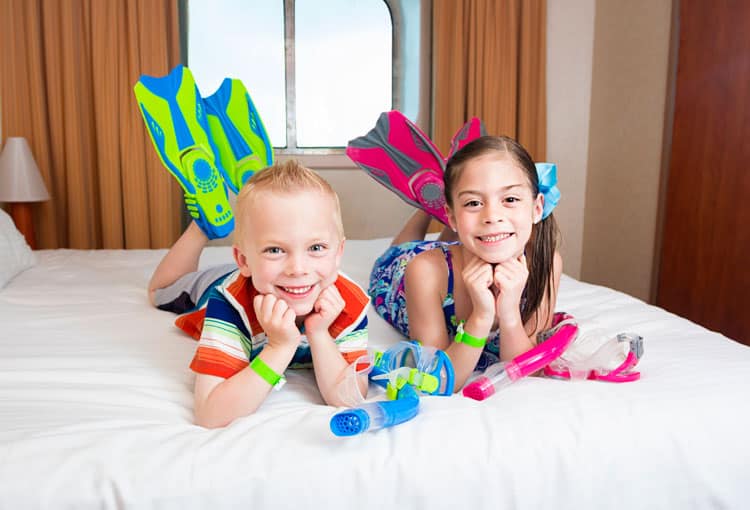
(96, 412)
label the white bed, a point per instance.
(96, 412)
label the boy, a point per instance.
(283, 304)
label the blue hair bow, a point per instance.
(547, 174)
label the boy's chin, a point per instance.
(300, 306)
(301, 309)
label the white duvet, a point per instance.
(96, 412)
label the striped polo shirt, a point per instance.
(230, 335)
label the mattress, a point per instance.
(96, 412)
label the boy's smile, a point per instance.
(297, 292)
(292, 248)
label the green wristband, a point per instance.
(462, 337)
(267, 373)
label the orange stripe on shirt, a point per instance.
(208, 360)
(355, 300)
(351, 357)
(192, 323)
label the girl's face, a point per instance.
(493, 208)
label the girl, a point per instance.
(488, 295)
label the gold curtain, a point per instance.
(67, 72)
(489, 61)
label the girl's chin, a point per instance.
(496, 258)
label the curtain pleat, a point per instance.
(489, 61)
(66, 84)
(532, 101)
(109, 54)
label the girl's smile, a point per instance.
(493, 239)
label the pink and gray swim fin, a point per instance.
(469, 132)
(398, 155)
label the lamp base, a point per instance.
(24, 220)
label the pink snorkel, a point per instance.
(612, 361)
(503, 374)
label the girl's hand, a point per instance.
(510, 279)
(327, 307)
(277, 320)
(477, 276)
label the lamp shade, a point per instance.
(20, 180)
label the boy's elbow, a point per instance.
(356, 391)
(207, 424)
(330, 399)
(206, 420)
(214, 415)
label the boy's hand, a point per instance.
(325, 310)
(510, 279)
(477, 276)
(277, 320)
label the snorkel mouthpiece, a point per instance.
(496, 377)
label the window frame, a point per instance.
(335, 158)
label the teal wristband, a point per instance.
(267, 373)
(462, 337)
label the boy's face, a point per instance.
(291, 247)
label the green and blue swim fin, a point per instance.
(174, 114)
(241, 140)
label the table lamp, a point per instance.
(20, 184)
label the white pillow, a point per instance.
(15, 254)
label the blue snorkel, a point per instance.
(405, 370)
(377, 415)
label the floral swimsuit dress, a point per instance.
(388, 293)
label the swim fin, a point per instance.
(398, 155)
(173, 111)
(469, 132)
(238, 132)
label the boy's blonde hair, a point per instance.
(286, 177)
